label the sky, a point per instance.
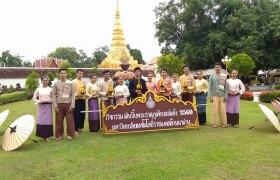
(34, 28)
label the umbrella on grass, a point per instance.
(276, 105)
(3, 116)
(270, 117)
(18, 132)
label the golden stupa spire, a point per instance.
(118, 36)
(118, 50)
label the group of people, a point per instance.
(69, 98)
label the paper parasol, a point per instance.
(276, 106)
(270, 116)
(18, 132)
(3, 116)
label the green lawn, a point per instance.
(206, 153)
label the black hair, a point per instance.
(43, 77)
(218, 64)
(163, 69)
(62, 69)
(152, 73)
(79, 70)
(186, 65)
(92, 75)
(106, 71)
(136, 69)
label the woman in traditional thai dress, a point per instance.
(200, 95)
(176, 88)
(121, 91)
(43, 97)
(235, 89)
(150, 84)
(92, 95)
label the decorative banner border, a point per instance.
(150, 112)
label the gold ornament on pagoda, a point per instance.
(118, 53)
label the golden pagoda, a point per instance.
(118, 53)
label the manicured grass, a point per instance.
(207, 153)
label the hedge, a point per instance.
(269, 96)
(13, 97)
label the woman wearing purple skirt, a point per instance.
(235, 89)
(92, 95)
(42, 97)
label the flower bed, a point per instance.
(269, 96)
(248, 95)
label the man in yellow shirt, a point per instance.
(188, 85)
(80, 105)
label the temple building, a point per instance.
(118, 54)
(49, 63)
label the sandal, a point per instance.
(214, 126)
(59, 139)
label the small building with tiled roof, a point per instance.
(49, 63)
(152, 65)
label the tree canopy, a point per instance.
(7, 59)
(136, 54)
(68, 53)
(205, 31)
(243, 63)
(172, 63)
(79, 59)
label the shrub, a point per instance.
(4, 89)
(248, 95)
(13, 97)
(269, 96)
(51, 78)
(32, 82)
(11, 89)
(277, 87)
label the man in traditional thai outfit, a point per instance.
(106, 89)
(137, 85)
(80, 104)
(164, 85)
(63, 95)
(218, 93)
(188, 84)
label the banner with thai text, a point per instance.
(149, 113)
